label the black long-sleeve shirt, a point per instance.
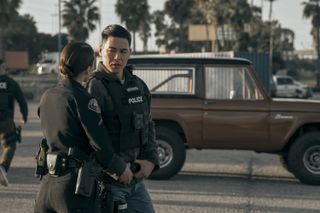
(70, 117)
(10, 87)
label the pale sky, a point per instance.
(287, 12)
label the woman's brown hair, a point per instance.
(75, 58)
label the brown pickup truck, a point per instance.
(219, 103)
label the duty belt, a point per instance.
(59, 165)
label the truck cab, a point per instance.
(219, 103)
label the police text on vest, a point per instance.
(135, 100)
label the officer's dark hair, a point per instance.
(1, 61)
(75, 58)
(115, 30)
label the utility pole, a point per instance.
(59, 35)
(262, 8)
(59, 27)
(100, 14)
(317, 44)
(271, 39)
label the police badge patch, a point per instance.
(94, 106)
(3, 85)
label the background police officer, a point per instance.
(70, 119)
(9, 91)
(125, 103)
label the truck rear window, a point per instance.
(168, 80)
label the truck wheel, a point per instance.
(304, 158)
(171, 152)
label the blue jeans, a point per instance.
(136, 196)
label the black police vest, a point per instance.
(6, 99)
(128, 116)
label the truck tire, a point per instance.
(172, 154)
(304, 158)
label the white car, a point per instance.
(48, 64)
(288, 87)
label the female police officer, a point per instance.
(70, 119)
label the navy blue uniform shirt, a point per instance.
(70, 117)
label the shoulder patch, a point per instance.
(3, 85)
(94, 106)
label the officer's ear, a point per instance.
(101, 50)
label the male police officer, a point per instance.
(9, 90)
(125, 103)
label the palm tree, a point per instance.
(22, 35)
(231, 13)
(214, 11)
(240, 16)
(135, 15)
(145, 32)
(271, 38)
(79, 17)
(312, 10)
(8, 11)
(180, 12)
(144, 28)
(158, 18)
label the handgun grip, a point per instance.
(135, 167)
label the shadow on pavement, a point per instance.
(22, 176)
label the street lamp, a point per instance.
(59, 27)
(271, 38)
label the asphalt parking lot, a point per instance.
(210, 181)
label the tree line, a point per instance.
(238, 26)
